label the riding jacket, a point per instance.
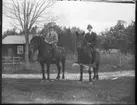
(52, 38)
(91, 38)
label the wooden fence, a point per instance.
(12, 60)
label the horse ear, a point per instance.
(83, 33)
(77, 33)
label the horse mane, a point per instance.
(38, 39)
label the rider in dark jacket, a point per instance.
(91, 38)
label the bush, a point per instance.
(109, 62)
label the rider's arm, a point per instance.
(46, 38)
(55, 38)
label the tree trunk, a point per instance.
(27, 51)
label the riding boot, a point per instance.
(53, 52)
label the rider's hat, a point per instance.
(89, 26)
(52, 25)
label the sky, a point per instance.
(100, 15)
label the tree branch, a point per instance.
(28, 12)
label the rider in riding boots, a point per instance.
(91, 38)
(52, 38)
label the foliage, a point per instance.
(119, 37)
(9, 32)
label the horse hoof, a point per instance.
(48, 78)
(79, 81)
(90, 82)
(63, 77)
(42, 80)
(57, 77)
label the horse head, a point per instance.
(82, 45)
(79, 39)
(35, 43)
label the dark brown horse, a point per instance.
(45, 55)
(85, 57)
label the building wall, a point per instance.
(8, 47)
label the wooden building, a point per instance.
(14, 46)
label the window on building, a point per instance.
(19, 49)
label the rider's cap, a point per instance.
(89, 26)
(52, 25)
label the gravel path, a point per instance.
(71, 76)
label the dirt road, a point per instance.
(71, 76)
(112, 88)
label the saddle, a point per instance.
(53, 50)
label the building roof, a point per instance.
(15, 39)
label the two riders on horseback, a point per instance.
(58, 53)
(52, 39)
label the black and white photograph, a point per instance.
(68, 51)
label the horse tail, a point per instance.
(98, 58)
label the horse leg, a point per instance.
(90, 72)
(63, 68)
(81, 72)
(48, 67)
(97, 67)
(94, 70)
(43, 71)
(58, 67)
(109, 51)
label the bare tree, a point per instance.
(26, 13)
